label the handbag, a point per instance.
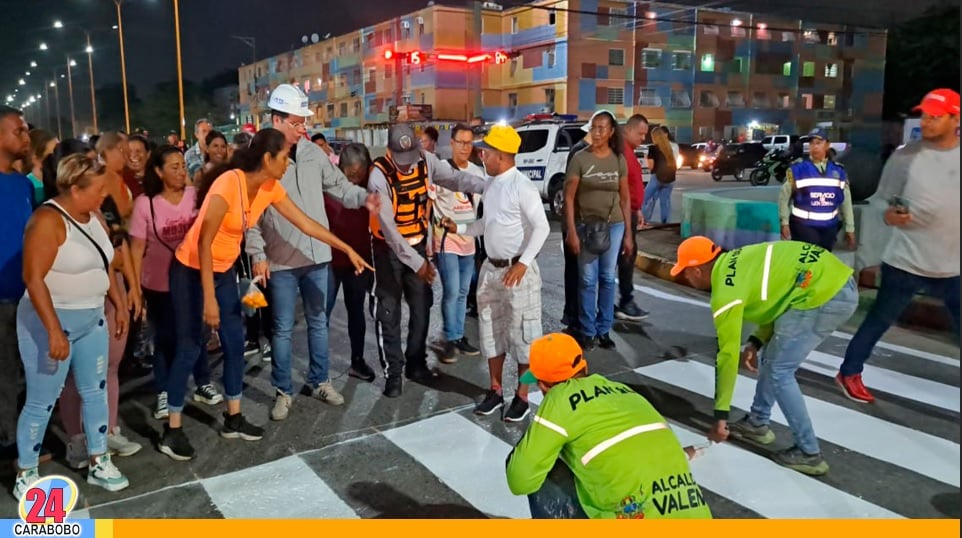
(594, 234)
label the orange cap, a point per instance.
(695, 251)
(554, 358)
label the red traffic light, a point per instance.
(388, 54)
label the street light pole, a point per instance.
(93, 92)
(123, 64)
(180, 71)
(73, 118)
(56, 96)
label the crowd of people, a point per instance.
(113, 237)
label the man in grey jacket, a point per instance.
(295, 262)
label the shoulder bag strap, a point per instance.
(103, 255)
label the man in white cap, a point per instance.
(295, 262)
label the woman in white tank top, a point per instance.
(60, 320)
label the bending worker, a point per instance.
(797, 293)
(596, 448)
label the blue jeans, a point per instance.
(456, 273)
(657, 191)
(797, 333)
(597, 288)
(557, 497)
(86, 330)
(160, 315)
(311, 281)
(896, 291)
(357, 289)
(187, 298)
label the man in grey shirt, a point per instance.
(920, 182)
(295, 262)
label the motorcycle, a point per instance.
(774, 164)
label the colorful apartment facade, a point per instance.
(703, 73)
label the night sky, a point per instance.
(277, 25)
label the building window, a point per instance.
(549, 94)
(681, 60)
(423, 98)
(651, 58)
(649, 97)
(808, 101)
(514, 25)
(788, 36)
(680, 99)
(307, 86)
(831, 70)
(550, 61)
(330, 110)
(810, 36)
(356, 44)
(708, 99)
(371, 74)
(784, 100)
(420, 26)
(738, 31)
(552, 17)
(706, 133)
(708, 63)
(735, 99)
(808, 69)
(735, 66)
(343, 110)
(616, 56)
(512, 103)
(828, 102)
(617, 16)
(357, 108)
(616, 96)
(832, 39)
(710, 29)
(787, 69)
(406, 29)
(760, 100)
(388, 71)
(514, 67)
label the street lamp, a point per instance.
(73, 117)
(180, 69)
(57, 24)
(33, 64)
(93, 92)
(22, 82)
(43, 46)
(123, 64)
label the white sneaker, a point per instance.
(326, 392)
(120, 445)
(77, 457)
(161, 411)
(25, 480)
(282, 406)
(106, 475)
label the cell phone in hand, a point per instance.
(900, 204)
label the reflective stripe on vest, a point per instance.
(812, 215)
(409, 196)
(612, 441)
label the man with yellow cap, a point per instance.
(597, 448)
(514, 226)
(797, 293)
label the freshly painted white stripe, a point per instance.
(466, 458)
(818, 182)
(612, 441)
(766, 271)
(941, 359)
(750, 480)
(551, 425)
(726, 308)
(934, 357)
(813, 215)
(282, 489)
(916, 451)
(903, 385)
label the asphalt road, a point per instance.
(426, 455)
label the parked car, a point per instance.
(781, 142)
(834, 148)
(733, 159)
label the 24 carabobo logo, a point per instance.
(49, 501)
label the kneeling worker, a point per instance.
(797, 293)
(596, 448)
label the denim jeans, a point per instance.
(597, 289)
(557, 498)
(456, 272)
(797, 333)
(86, 330)
(896, 291)
(160, 315)
(657, 191)
(626, 265)
(187, 298)
(311, 281)
(356, 291)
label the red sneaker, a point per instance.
(853, 388)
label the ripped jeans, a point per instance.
(86, 331)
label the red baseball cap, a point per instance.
(939, 103)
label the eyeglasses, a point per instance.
(297, 126)
(463, 143)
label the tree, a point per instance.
(110, 106)
(922, 55)
(160, 112)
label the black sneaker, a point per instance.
(491, 403)
(361, 370)
(448, 354)
(605, 342)
(237, 427)
(517, 410)
(392, 387)
(175, 445)
(630, 312)
(465, 348)
(251, 348)
(421, 374)
(587, 344)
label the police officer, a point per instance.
(400, 237)
(814, 193)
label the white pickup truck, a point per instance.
(784, 142)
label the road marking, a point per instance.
(466, 458)
(934, 357)
(722, 470)
(284, 489)
(920, 452)
(896, 383)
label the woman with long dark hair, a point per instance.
(598, 203)
(203, 281)
(162, 216)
